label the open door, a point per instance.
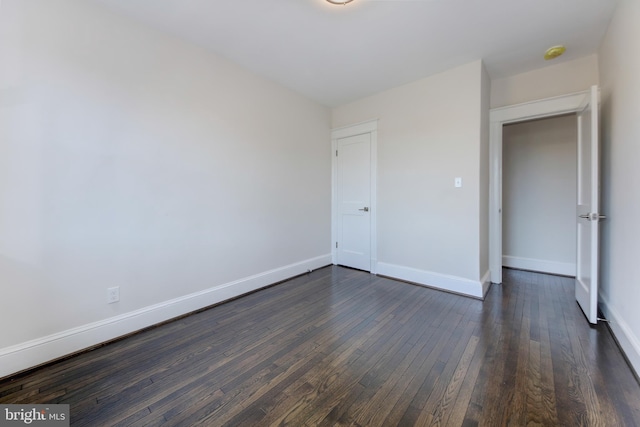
(588, 208)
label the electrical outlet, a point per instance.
(113, 295)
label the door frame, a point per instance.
(548, 107)
(370, 127)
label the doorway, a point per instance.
(500, 117)
(539, 184)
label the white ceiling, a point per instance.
(337, 54)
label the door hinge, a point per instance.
(336, 153)
(336, 245)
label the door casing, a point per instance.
(370, 127)
(549, 107)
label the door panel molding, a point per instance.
(368, 127)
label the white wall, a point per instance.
(539, 161)
(556, 79)
(619, 57)
(429, 132)
(129, 158)
(485, 173)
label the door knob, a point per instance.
(593, 216)
(365, 209)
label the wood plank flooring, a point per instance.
(343, 347)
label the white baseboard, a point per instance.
(541, 265)
(32, 353)
(626, 337)
(459, 285)
(486, 283)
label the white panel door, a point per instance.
(354, 202)
(588, 208)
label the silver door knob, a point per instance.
(365, 209)
(593, 216)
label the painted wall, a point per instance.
(129, 158)
(539, 161)
(553, 80)
(429, 132)
(620, 91)
(485, 171)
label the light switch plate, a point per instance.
(113, 294)
(458, 182)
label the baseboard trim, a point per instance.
(443, 282)
(36, 352)
(540, 265)
(486, 283)
(628, 341)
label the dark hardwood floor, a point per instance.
(342, 347)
